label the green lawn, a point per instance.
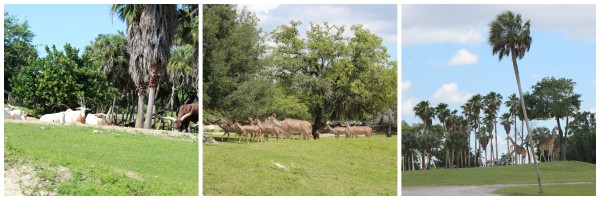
(550, 190)
(328, 166)
(553, 172)
(109, 163)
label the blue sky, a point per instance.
(446, 57)
(57, 24)
(379, 19)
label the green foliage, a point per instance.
(232, 46)
(346, 167)
(108, 53)
(18, 50)
(347, 77)
(581, 145)
(552, 98)
(111, 163)
(59, 78)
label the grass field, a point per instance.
(553, 172)
(109, 163)
(550, 190)
(328, 166)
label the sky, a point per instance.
(379, 19)
(57, 24)
(446, 57)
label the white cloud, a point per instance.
(458, 35)
(593, 109)
(407, 107)
(261, 10)
(406, 85)
(467, 24)
(450, 94)
(463, 57)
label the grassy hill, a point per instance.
(553, 172)
(106, 163)
(328, 166)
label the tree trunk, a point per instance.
(564, 155)
(389, 127)
(516, 69)
(317, 123)
(496, 142)
(149, 110)
(476, 147)
(562, 141)
(422, 159)
(515, 123)
(139, 120)
(492, 150)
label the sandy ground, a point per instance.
(20, 180)
(480, 190)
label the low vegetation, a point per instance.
(104, 162)
(550, 190)
(328, 166)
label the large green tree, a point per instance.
(338, 77)
(58, 78)
(582, 137)
(18, 50)
(553, 98)
(232, 50)
(150, 31)
(109, 53)
(510, 35)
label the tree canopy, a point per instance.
(18, 50)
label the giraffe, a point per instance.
(548, 145)
(518, 149)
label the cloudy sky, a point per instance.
(379, 19)
(446, 57)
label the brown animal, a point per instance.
(358, 130)
(337, 131)
(548, 145)
(290, 126)
(256, 130)
(245, 130)
(227, 128)
(268, 129)
(187, 113)
(519, 150)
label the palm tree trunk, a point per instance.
(492, 150)
(475, 147)
(516, 68)
(496, 140)
(149, 109)
(139, 120)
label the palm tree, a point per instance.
(181, 71)
(474, 109)
(150, 31)
(505, 122)
(425, 113)
(492, 102)
(442, 112)
(509, 35)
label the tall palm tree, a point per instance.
(150, 31)
(505, 122)
(425, 113)
(474, 106)
(492, 102)
(509, 35)
(442, 112)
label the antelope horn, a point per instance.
(186, 115)
(170, 118)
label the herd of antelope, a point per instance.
(260, 130)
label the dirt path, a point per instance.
(478, 190)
